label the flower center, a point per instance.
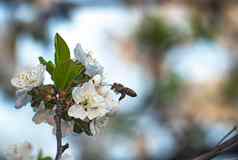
(27, 78)
(87, 102)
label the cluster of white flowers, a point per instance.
(24, 82)
(93, 100)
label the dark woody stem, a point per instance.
(60, 148)
(219, 149)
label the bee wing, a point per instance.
(123, 95)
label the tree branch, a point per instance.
(219, 149)
(60, 148)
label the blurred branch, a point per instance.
(227, 135)
(219, 149)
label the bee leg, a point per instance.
(122, 96)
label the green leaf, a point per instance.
(82, 78)
(66, 69)
(62, 52)
(65, 73)
(49, 65)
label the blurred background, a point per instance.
(180, 56)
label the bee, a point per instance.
(119, 88)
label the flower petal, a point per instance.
(76, 94)
(77, 111)
(22, 98)
(79, 54)
(18, 82)
(94, 69)
(97, 124)
(94, 113)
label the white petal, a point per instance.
(102, 90)
(77, 111)
(98, 101)
(94, 113)
(97, 79)
(97, 124)
(18, 83)
(111, 103)
(79, 54)
(21, 92)
(22, 98)
(77, 95)
(94, 69)
(89, 88)
(92, 127)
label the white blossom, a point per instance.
(102, 89)
(89, 104)
(91, 64)
(30, 78)
(101, 86)
(25, 81)
(19, 152)
(98, 124)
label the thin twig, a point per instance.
(60, 148)
(58, 136)
(227, 135)
(219, 149)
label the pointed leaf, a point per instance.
(62, 52)
(63, 76)
(49, 65)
